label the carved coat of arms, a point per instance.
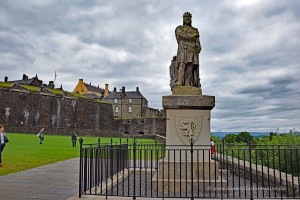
(188, 127)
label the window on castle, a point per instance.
(129, 109)
(129, 100)
(117, 109)
(115, 100)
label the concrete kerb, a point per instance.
(112, 182)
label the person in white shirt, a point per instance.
(41, 135)
(2, 143)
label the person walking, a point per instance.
(2, 142)
(74, 139)
(41, 135)
(212, 146)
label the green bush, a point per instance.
(282, 152)
(230, 138)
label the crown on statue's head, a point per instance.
(187, 14)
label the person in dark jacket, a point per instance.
(74, 139)
(2, 142)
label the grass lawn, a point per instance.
(25, 152)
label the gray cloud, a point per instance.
(249, 59)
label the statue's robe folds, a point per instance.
(188, 51)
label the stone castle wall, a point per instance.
(27, 112)
(142, 126)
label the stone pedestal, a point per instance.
(178, 176)
(188, 115)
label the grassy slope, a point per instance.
(24, 151)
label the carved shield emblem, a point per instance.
(188, 127)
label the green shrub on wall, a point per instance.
(281, 153)
(5, 85)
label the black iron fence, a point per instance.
(160, 171)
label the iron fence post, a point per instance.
(157, 152)
(80, 166)
(280, 169)
(192, 167)
(250, 163)
(223, 151)
(134, 166)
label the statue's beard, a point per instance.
(187, 23)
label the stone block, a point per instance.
(186, 90)
(184, 170)
(177, 186)
(198, 102)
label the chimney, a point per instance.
(137, 89)
(42, 89)
(123, 90)
(106, 90)
(115, 89)
(51, 85)
(24, 77)
(5, 79)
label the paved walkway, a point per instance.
(54, 181)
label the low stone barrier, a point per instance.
(260, 175)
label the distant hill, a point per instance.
(254, 134)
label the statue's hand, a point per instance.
(197, 50)
(195, 35)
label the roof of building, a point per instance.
(91, 96)
(93, 88)
(27, 81)
(129, 95)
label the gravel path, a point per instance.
(234, 187)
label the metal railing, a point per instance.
(160, 171)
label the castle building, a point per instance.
(130, 104)
(90, 90)
(34, 81)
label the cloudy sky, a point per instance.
(249, 61)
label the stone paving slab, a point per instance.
(54, 181)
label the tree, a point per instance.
(271, 135)
(243, 137)
(230, 138)
(216, 139)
